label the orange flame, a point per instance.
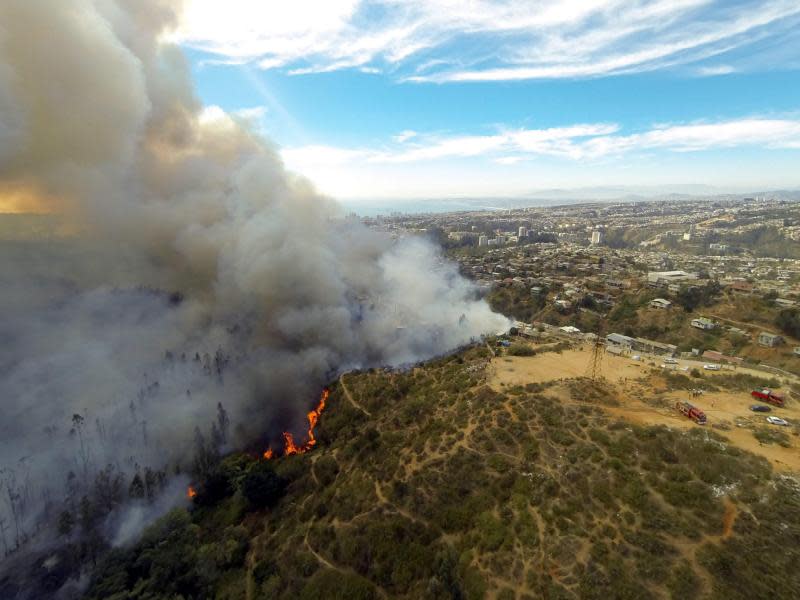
(191, 493)
(289, 445)
(313, 418)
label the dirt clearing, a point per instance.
(519, 370)
(644, 399)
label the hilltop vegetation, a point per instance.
(429, 484)
(739, 319)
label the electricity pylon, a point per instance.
(594, 368)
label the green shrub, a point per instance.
(789, 321)
(771, 435)
(335, 585)
(684, 582)
(326, 469)
(216, 487)
(261, 486)
(521, 350)
(163, 564)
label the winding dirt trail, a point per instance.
(321, 559)
(350, 398)
(729, 518)
(325, 562)
(397, 509)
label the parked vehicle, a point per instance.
(711, 367)
(777, 421)
(670, 361)
(768, 396)
(692, 412)
(760, 408)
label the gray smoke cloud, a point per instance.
(199, 271)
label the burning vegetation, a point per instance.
(289, 445)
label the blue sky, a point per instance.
(437, 98)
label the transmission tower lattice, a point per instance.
(594, 370)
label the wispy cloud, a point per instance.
(482, 40)
(576, 142)
(711, 70)
(404, 136)
(761, 133)
(511, 160)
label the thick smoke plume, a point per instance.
(197, 272)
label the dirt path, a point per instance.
(350, 398)
(746, 326)
(313, 473)
(321, 559)
(729, 518)
(249, 586)
(401, 511)
(325, 562)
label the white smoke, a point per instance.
(200, 272)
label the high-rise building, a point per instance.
(523, 232)
(597, 237)
(483, 240)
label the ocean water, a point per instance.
(366, 208)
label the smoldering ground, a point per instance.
(199, 287)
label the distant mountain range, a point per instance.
(556, 196)
(25, 226)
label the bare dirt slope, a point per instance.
(519, 370)
(645, 398)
